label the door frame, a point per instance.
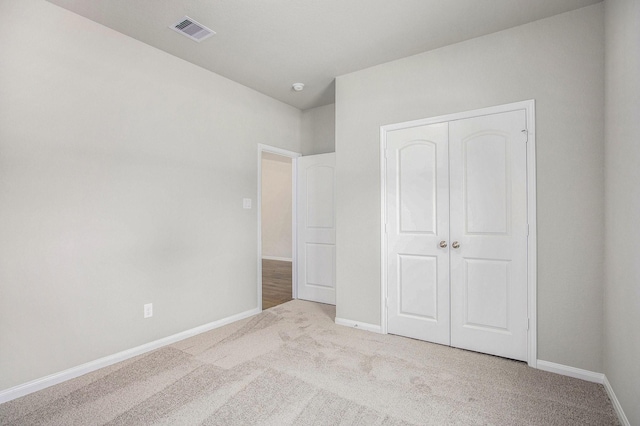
(294, 180)
(532, 284)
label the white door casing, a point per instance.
(293, 155)
(316, 227)
(488, 223)
(492, 280)
(417, 221)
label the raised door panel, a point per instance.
(320, 263)
(319, 193)
(486, 294)
(486, 184)
(418, 286)
(417, 165)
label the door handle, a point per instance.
(455, 245)
(443, 244)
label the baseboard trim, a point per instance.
(589, 376)
(282, 259)
(359, 325)
(62, 376)
(616, 404)
(566, 370)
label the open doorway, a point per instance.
(276, 226)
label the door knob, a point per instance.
(443, 244)
(455, 244)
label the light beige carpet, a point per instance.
(291, 365)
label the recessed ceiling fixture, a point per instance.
(192, 29)
(298, 87)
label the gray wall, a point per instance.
(122, 173)
(318, 130)
(622, 166)
(559, 62)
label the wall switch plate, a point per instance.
(246, 203)
(148, 310)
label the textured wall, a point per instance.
(318, 130)
(622, 154)
(122, 173)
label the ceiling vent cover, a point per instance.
(192, 29)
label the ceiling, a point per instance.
(270, 44)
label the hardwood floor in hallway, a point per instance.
(276, 283)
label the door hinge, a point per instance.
(385, 228)
(526, 135)
(527, 323)
(386, 153)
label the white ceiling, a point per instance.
(270, 44)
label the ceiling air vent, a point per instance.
(192, 29)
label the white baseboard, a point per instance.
(565, 370)
(359, 325)
(62, 376)
(616, 404)
(283, 259)
(589, 376)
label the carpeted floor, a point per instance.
(291, 365)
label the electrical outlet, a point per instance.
(246, 203)
(148, 310)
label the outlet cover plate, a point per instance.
(148, 310)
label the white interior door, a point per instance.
(417, 192)
(456, 233)
(489, 234)
(316, 228)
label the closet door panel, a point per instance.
(488, 225)
(418, 214)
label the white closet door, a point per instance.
(316, 228)
(489, 223)
(418, 213)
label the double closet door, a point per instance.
(456, 233)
